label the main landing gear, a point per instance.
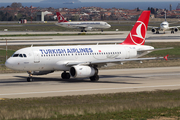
(65, 75)
(172, 32)
(96, 76)
(157, 32)
(83, 31)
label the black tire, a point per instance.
(65, 75)
(68, 76)
(94, 78)
(82, 30)
(29, 79)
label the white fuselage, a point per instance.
(164, 26)
(87, 25)
(56, 57)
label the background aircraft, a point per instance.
(83, 60)
(84, 26)
(164, 26)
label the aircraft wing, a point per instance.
(81, 26)
(153, 27)
(174, 27)
(103, 62)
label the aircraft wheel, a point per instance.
(68, 76)
(82, 30)
(94, 78)
(85, 31)
(65, 75)
(29, 79)
(101, 30)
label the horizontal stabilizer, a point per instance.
(157, 49)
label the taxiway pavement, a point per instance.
(114, 37)
(111, 81)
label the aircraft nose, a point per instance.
(109, 25)
(9, 63)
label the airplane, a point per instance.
(164, 26)
(84, 26)
(82, 61)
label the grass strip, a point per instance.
(132, 105)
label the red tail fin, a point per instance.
(60, 18)
(166, 57)
(138, 32)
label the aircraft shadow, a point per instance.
(79, 80)
(159, 33)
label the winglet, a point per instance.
(166, 57)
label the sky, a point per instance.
(22, 1)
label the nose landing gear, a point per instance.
(30, 78)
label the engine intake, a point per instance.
(176, 29)
(153, 30)
(82, 71)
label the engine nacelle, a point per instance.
(153, 30)
(41, 72)
(88, 28)
(82, 71)
(176, 29)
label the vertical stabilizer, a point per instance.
(138, 33)
(60, 18)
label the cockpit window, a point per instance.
(19, 55)
(15, 55)
(24, 55)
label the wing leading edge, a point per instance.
(113, 61)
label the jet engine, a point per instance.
(153, 30)
(176, 29)
(88, 28)
(41, 72)
(82, 71)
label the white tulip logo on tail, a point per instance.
(138, 36)
(60, 18)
